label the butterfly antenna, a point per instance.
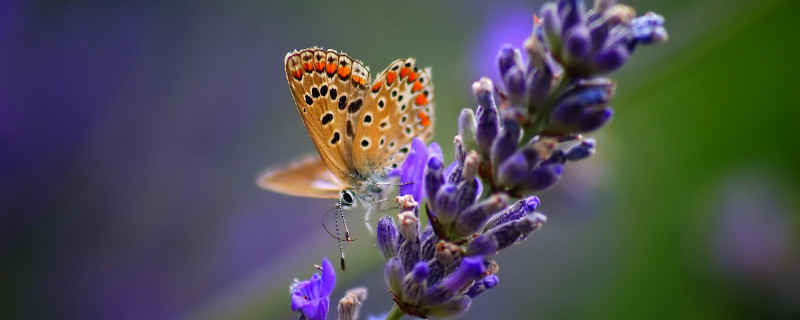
(339, 240)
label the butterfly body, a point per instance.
(362, 129)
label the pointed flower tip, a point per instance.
(531, 203)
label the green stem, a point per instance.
(395, 313)
(544, 114)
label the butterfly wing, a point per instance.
(328, 88)
(307, 178)
(399, 107)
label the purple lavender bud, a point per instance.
(451, 308)
(573, 107)
(482, 246)
(542, 178)
(409, 250)
(539, 89)
(487, 122)
(508, 57)
(434, 176)
(456, 174)
(532, 156)
(599, 34)
(467, 129)
(437, 271)
(573, 13)
(428, 248)
(556, 158)
(409, 253)
(471, 165)
(393, 274)
(504, 235)
(610, 58)
(506, 142)
(581, 151)
(414, 284)
(649, 28)
(466, 193)
(566, 113)
(475, 216)
(482, 90)
(445, 204)
(482, 285)
(511, 171)
(551, 25)
(594, 120)
(387, 235)
(469, 270)
(577, 46)
(514, 82)
(460, 152)
(514, 212)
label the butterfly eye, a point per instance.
(346, 199)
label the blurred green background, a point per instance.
(132, 132)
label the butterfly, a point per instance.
(361, 129)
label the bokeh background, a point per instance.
(131, 133)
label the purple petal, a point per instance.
(316, 309)
(413, 169)
(434, 150)
(328, 278)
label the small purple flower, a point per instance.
(312, 297)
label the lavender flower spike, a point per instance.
(312, 297)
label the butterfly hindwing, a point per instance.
(328, 88)
(398, 107)
(308, 178)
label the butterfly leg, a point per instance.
(370, 209)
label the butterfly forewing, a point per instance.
(329, 89)
(398, 107)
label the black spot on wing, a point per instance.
(327, 118)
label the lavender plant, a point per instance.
(505, 151)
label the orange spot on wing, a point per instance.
(357, 79)
(412, 77)
(404, 72)
(297, 74)
(344, 72)
(390, 76)
(421, 100)
(331, 68)
(376, 87)
(416, 87)
(424, 119)
(308, 66)
(320, 66)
